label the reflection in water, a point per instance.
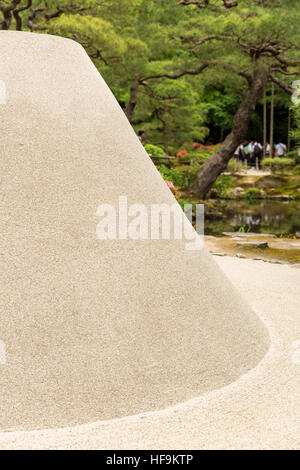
(280, 218)
(253, 219)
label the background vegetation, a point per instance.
(185, 71)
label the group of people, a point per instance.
(251, 153)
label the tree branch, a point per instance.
(242, 73)
(281, 84)
(201, 41)
(286, 62)
(56, 14)
(98, 55)
(196, 71)
(17, 16)
(247, 76)
(284, 72)
(30, 23)
(133, 93)
(199, 4)
(230, 4)
(6, 11)
(227, 4)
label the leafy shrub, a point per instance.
(268, 162)
(154, 150)
(297, 169)
(200, 156)
(235, 166)
(172, 150)
(179, 179)
(191, 146)
(171, 186)
(182, 202)
(194, 149)
(182, 153)
(244, 229)
(197, 157)
(294, 154)
(222, 184)
(278, 163)
(252, 193)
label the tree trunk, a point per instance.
(7, 19)
(216, 164)
(289, 131)
(265, 123)
(132, 102)
(272, 122)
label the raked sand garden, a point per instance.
(122, 343)
(260, 410)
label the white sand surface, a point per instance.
(258, 411)
(96, 329)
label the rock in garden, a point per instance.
(253, 244)
(248, 234)
(236, 192)
(281, 197)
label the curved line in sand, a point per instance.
(177, 406)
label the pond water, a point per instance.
(260, 216)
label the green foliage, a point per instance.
(94, 33)
(235, 166)
(170, 111)
(292, 154)
(222, 185)
(252, 193)
(244, 229)
(180, 179)
(278, 163)
(135, 43)
(295, 155)
(197, 157)
(182, 202)
(220, 107)
(154, 150)
(194, 154)
(295, 134)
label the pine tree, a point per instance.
(256, 41)
(178, 65)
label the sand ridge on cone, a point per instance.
(96, 329)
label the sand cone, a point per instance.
(96, 329)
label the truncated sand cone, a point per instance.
(96, 329)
